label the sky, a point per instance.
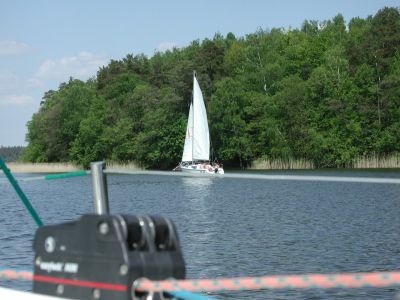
(45, 42)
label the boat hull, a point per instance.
(201, 169)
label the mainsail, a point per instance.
(197, 141)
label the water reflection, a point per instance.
(197, 187)
(229, 227)
(200, 225)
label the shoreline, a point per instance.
(49, 168)
(16, 167)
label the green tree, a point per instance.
(327, 92)
(384, 37)
(87, 146)
(228, 124)
(52, 130)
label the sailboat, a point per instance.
(196, 151)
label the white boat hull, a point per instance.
(201, 169)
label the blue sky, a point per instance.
(44, 42)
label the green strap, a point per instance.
(20, 193)
(66, 175)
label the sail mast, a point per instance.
(194, 76)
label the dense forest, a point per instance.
(12, 153)
(328, 92)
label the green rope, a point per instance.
(66, 175)
(20, 193)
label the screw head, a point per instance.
(96, 294)
(38, 260)
(60, 289)
(50, 244)
(104, 228)
(123, 270)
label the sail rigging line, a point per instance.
(214, 157)
(20, 193)
(51, 176)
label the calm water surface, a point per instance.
(235, 227)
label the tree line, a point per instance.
(328, 92)
(11, 153)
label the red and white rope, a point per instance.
(325, 281)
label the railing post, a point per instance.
(100, 192)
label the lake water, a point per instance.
(235, 227)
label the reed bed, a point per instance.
(127, 166)
(279, 164)
(17, 167)
(362, 162)
(371, 162)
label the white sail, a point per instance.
(188, 149)
(196, 152)
(201, 136)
